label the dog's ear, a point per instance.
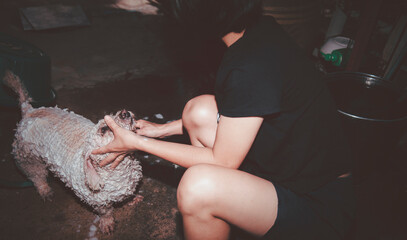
(92, 178)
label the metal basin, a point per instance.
(373, 114)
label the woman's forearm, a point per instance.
(172, 128)
(234, 136)
(156, 130)
(181, 154)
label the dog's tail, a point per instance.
(14, 82)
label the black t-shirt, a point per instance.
(300, 144)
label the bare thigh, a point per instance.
(237, 197)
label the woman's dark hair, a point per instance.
(211, 18)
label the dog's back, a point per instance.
(48, 138)
(53, 136)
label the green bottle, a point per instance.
(338, 57)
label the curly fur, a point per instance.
(61, 141)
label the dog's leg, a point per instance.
(106, 223)
(92, 178)
(35, 170)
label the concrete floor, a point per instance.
(126, 60)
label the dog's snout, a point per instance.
(124, 114)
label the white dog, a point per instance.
(62, 141)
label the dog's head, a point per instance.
(101, 136)
(123, 118)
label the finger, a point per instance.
(110, 158)
(118, 160)
(139, 131)
(111, 123)
(139, 123)
(101, 150)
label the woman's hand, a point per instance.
(123, 143)
(155, 130)
(150, 129)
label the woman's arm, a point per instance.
(233, 140)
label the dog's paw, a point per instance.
(136, 200)
(45, 192)
(49, 196)
(106, 224)
(95, 184)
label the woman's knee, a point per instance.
(196, 191)
(199, 111)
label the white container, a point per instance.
(335, 43)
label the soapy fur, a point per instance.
(58, 140)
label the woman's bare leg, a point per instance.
(199, 118)
(212, 197)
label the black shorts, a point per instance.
(325, 214)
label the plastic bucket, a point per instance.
(374, 117)
(33, 67)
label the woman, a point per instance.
(267, 154)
